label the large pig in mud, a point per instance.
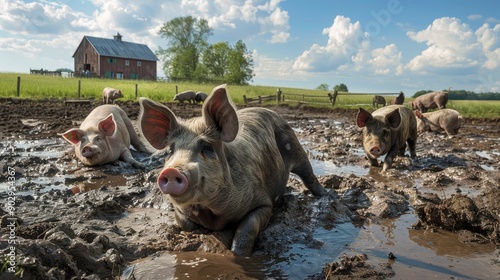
(226, 167)
(431, 100)
(105, 136)
(386, 131)
(187, 95)
(110, 94)
(448, 120)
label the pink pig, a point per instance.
(105, 136)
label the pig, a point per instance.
(226, 167)
(431, 100)
(377, 99)
(110, 94)
(448, 120)
(105, 136)
(386, 131)
(200, 97)
(399, 100)
(188, 95)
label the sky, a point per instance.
(384, 46)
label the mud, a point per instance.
(434, 216)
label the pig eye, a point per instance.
(207, 150)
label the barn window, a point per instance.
(138, 63)
(111, 60)
(127, 63)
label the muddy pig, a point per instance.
(377, 99)
(200, 97)
(399, 100)
(226, 167)
(431, 100)
(104, 136)
(110, 94)
(445, 119)
(386, 131)
(185, 95)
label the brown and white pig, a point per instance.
(431, 100)
(386, 131)
(448, 120)
(110, 94)
(105, 136)
(187, 95)
(227, 166)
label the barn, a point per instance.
(114, 59)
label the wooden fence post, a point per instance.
(79, 87)
(18, 86)
(176, 90)
(136, 90)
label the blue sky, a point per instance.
(371, 46)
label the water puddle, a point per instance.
(419, 253)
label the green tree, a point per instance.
(240, 68)
(187, 39)
(216, 60)
(341, 87)
(324, 87)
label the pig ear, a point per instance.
(156, 122)
(108, 125)
(219, 111)
(394, 119)
(363, 118)
(419, 115)
(73, 135)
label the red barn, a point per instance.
(114, 58)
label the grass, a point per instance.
(39, 87)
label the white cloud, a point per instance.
(452, 46)
(346, 43)
(264, 17)
(385, 60)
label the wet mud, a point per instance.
(433, 216)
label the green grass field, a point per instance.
(39, 87)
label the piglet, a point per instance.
(187, 95)
(448, 120)
(105, 136)
(226, 167)
(386, 131)
(110, 94)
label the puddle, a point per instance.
(419, 253)
(322, 168)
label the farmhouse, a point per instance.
(114, 58)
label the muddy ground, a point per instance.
(109, 222)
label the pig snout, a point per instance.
(172, 181)
(376, 151)
(88, 151)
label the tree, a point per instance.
(187, 38)
(341, 88)
(240, 68)
(216, 60)
(324, 87)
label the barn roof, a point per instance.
(118, 48)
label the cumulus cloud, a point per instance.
(452, 46)
(266, 17)
(346, 42)
(36, 18)
(489, 38)
(386, 60)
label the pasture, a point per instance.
(41, 87)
